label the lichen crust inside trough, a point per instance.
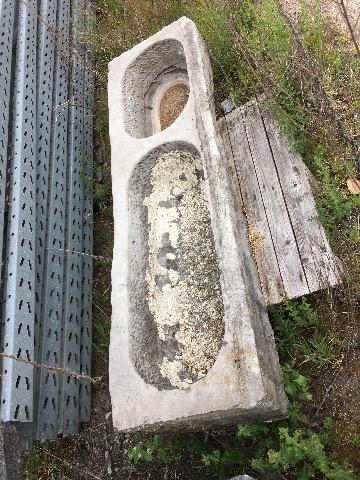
(183, 292)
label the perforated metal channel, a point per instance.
(48, 246)
(69, 416)
(45, 73)
(70, 391)
(7, 10)
(45, 119)
(87, 260)
(52, 294)
(19, 278)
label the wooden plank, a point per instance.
(236, 143)
(283, 238)
(315, 253)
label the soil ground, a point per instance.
(172, 104)
(331, 7)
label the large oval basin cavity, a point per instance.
(176, 309)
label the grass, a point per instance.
(321, 350)
(38, 466)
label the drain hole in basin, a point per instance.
(172, 104)
(176, 323)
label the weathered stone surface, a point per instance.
(243, 477)
(228, 105)
(9, 453)
(191, 342)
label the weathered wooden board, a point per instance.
(292, 254)
(315, 253)
(259, 233)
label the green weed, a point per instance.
(353, 235)
(102, 193)
(295, 384)
(163, 449)
(291, 321)
(321, 350)
(334, 204)
(355, 440)
(301, 453)
(103, 331)
(157, 448)
(285, 447)
(298, 335)
(34, 463)
(31, 465)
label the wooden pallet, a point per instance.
(288, 242)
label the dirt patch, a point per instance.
(332, 9)
(336, 388)
(172, 104)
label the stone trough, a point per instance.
(191, 342)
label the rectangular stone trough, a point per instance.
(191, 342)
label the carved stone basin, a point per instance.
(191, 343)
